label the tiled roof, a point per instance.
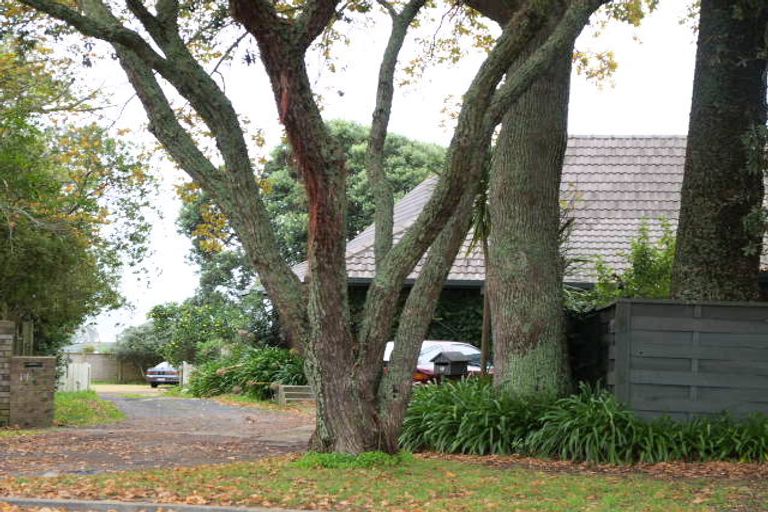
(612, 183)
(615, 183)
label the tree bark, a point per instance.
(718, 255)
(380, 186)
(486, 337)
(346, 420)
(524, 276)
(419, 310)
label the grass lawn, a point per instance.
(12, 432)
(133, 395)
(246, 401)
(76, 409)
(416, 484)
(82, 408)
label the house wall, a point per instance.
(458, 316)
(686, 360)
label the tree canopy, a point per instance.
(62, 184)
(406, 164)
(141, 345)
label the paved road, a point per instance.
(159, 432)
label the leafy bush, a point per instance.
(313, 460)
(473, 417)
(141, 346)
(721, 437)
(591, 426)
(648, 276)
(469, 416)
(250, 372)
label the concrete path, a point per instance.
(159, 432)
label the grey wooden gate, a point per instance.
(682, 360)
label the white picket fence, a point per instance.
(76, 377)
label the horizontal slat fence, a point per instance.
(685, 360)
(288, 394)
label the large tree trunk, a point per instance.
(718, 255)
(524, 277)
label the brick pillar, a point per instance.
(33, 383)
(7, 332)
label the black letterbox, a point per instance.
(450, 364)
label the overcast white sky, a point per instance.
(650, 94)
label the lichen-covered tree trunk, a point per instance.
(396, 386)
(524, 277)
(718, 250)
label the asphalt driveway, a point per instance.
(159, 432)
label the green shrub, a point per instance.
(648, 274)
(250, 373)
(469, 416)
(720, 437)
(84, 408)
(473, 417)
(591, 426)
(313, 460)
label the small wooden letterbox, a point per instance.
(450, 364)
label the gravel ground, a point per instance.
(159, 432)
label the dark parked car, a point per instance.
(163, 373)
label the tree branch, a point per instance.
(258, 16)
(500, 12)
(383, 293)
(562, 37)
(163, 123)
(236, 191)
(388, 7)
(394, 389)
(314, 18)
(112, 33)
(156, 29)
(380, 186)
(229, 51)
(168, 12)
